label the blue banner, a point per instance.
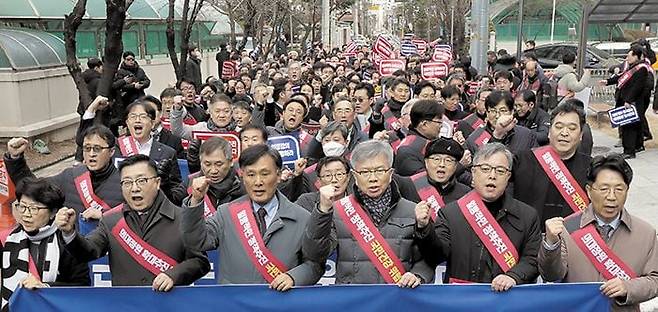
(288, 147)
(361, 298)
(622, 116)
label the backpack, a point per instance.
(549, 98)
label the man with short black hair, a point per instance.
(568, 83)
(130, 80)
(145, 218)
(263, 216)
(426, 122)
(195, 112)
(573, 248)
(162, 134)
(535, 181)
(253, 135)
(91, 188)
(501, 126)
(193, 67)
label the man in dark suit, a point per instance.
(140, 119)
(161, 134)
(146, 218)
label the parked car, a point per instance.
(618, 50)
(550, 56)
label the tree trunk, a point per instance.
(71, 24)
(231, 20)
(171, 41)
(116, 17)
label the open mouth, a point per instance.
(136, 198)
(490, 187)
(373, 189)
(138, 129)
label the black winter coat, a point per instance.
(533, 187)
(452, 239)
(161, 230)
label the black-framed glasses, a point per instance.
(503, 111)
(378, 173)
(447, 160)
(127, 183)
(435, 121)
(23, 208)
(486, 169)
(96, 148)
(328, 177)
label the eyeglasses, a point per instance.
(23, 208)
(340, 176)
(96, 148)
(503, 111)
(378, 173)
(127, 183)
(139, 117)
(618, 191)
(435, 121)
(486, 169)
(129, 59)
(448, 160)
(342, 111)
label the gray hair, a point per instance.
(368, 150)
(489, 149)
(343, 99)
(333, 127)
(216, 144)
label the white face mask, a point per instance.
(333, 149)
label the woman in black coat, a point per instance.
(35, 248)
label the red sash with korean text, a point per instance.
(312, 176)
(604, 259)
(626, 76)
(147, 256)
(88, 198)
(474, 121)
(31, 265)
(483, 138)
(128, 146)
(428, 193)
(390, 121)
(370, 240)
(208, 208)
(246, 228)
(561, 178)
(304, 139)
(484, 225)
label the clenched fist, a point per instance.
(554, 227)
(199, 187)
(65, 220)
(327, 193)
(17, 146)
(423, 211)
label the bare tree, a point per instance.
(71, 24)
(115, 19)
(188, 19)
